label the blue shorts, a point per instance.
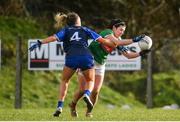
(82, 62)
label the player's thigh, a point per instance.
(67, 73)
(89, 74)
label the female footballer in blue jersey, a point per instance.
(74, 38)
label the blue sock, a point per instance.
(60, 104)
(87, 92)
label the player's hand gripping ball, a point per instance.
(145, 43)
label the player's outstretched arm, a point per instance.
(122, 42)
(44, 41)
(48, 39)
(131, 55)
(107, 42)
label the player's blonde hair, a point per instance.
(63, 19)
(60, 20)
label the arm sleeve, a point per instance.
(60, 35)
(122, 49)
(93, 35)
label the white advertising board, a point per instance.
(51, 57)
(116, 61)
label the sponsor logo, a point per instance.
(39, 58)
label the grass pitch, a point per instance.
(100, 113)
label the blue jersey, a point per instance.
(75, 39)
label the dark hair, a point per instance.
(72, 18)
(116, 23)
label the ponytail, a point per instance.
(61, 20)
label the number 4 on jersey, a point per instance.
(75, 37)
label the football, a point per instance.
(145, 43)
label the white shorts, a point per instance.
(99, 69)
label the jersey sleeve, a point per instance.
(122, 49)
(60, 35)
(93, 35)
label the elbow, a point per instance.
(128, 56)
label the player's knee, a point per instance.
(89, 79)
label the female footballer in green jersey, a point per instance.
(100, 52)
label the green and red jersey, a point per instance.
(99, 51)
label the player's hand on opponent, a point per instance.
(144, 53)
(138, 38)
(37, 44)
